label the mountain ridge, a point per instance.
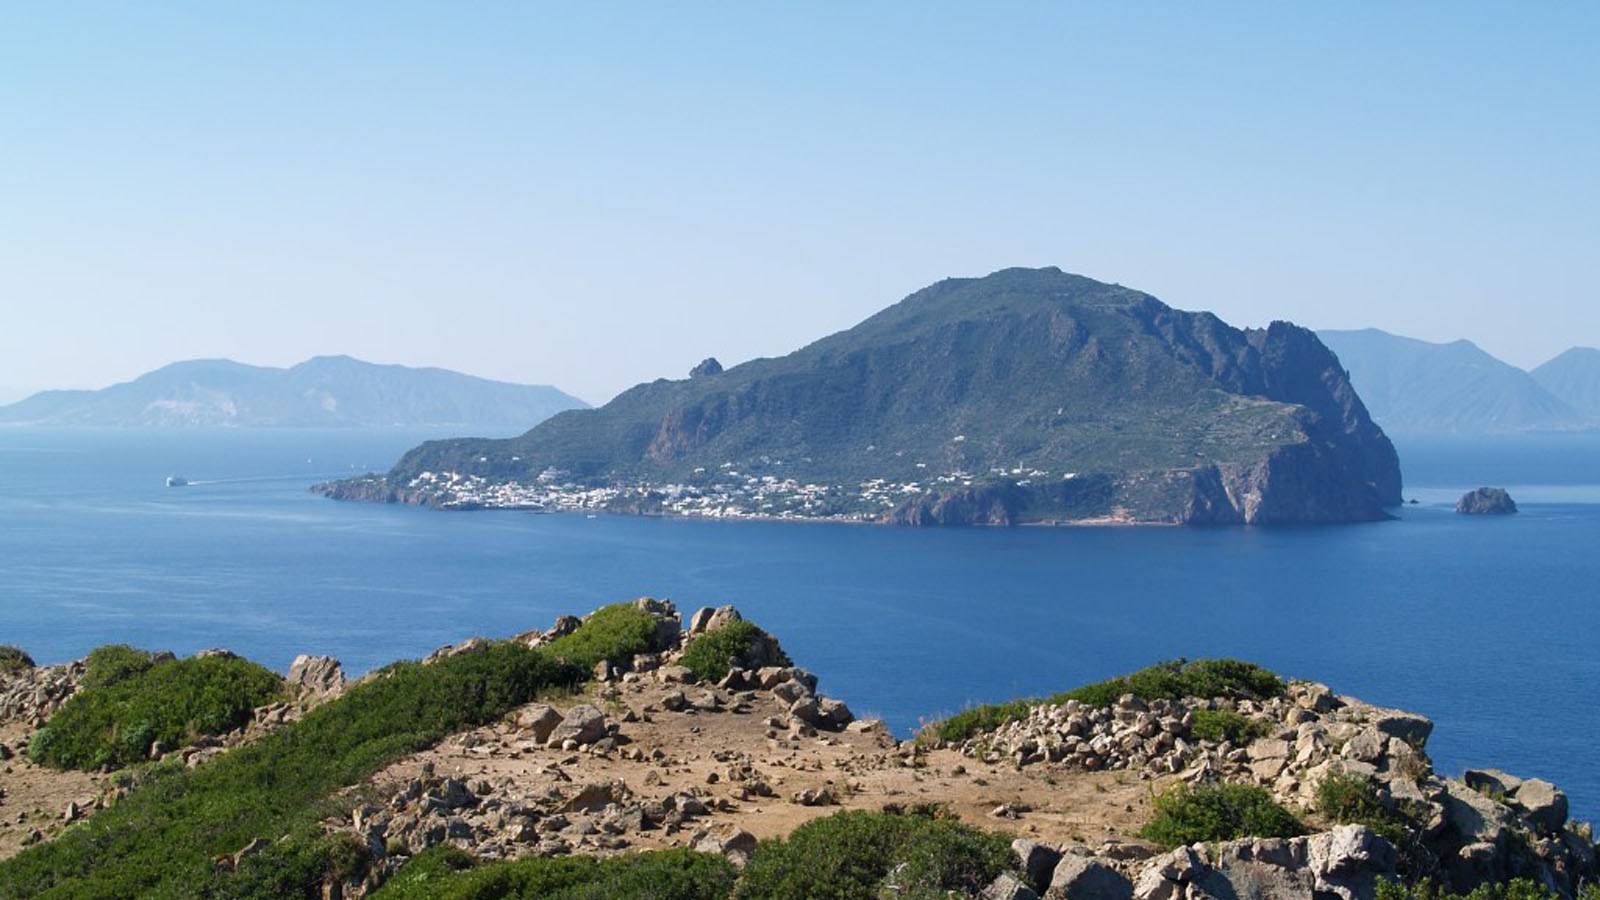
(1025, 395)
(321, 391)
(1413, 386)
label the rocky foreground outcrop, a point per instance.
(650, 756)
(1486, 827)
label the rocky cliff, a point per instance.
(1024, 396)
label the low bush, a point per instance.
(105, 666)
(1217, 812)
(13, 660)
(710, 655)
(1179, 678)
(863, 854)
(1172, 680)
(160, 840)
(1516, 889)
(445, 873)
(133, 705)
(1226, 725)
(613, 633)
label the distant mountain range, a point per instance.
(1026, 395)
(324, 391)
(1416, 387)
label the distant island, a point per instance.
(323, 391)
(1414, 387)
(1027, 396)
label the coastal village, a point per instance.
(728, 494)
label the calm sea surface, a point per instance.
(1489, 626)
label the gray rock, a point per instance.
(1491, 781)
(583, 724)
(539, 720)
(1085, 878)
(1544, 803)
(1038, 861)
(317, 675)
(1007, 887)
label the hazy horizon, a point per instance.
(595, 197)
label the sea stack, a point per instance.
(1486, 501)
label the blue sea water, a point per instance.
(1489, 626)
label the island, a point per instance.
(1026, 396)
(1486, 501)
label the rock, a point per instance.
(1473, 817)
(1007, 887)
(668, 627)
(1491, 781)
(815, 797)
(583, 724)
(1038, 861)
(539, 720)
(833, 714)
(216, 653)
(316, 675)
(1368, 746)
(700, 619)
(1085, 878)
(1486, 501)
(728, 841)
(1544, 803)
(1397, 723)
(674, 675)
(597, 796)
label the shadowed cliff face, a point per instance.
(1027, 395)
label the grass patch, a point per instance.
(613, 633)
(131, 706)
(1217, 812)
(710, 655)
(159, 841)
(864, 854)
(1226, 725)
(445, 873)
(1172, 680)
(13, 660)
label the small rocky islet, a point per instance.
(647, 756)
(1486, 501)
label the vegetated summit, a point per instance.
(1029, 395)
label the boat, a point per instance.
(176, 481)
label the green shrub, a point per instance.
(105, 666)
(449, 874)
(159, 841)
(1226, 725)
(614, 633)
(1217, 812)
(864, 854)
(1172, 680)
(1516, 889)
(710, 655)
(979, 719)
(114, 722)
(13, 660)
(1177, 679)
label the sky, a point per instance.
(594, 195)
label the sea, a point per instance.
(1490, 626)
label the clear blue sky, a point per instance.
(593, 195)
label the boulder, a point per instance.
(583, 724)
(316, 675)
(1544, 804)
(1007, 887)
(539, 720)
(1038, 861)
(1086, 878)
(1486, 501)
